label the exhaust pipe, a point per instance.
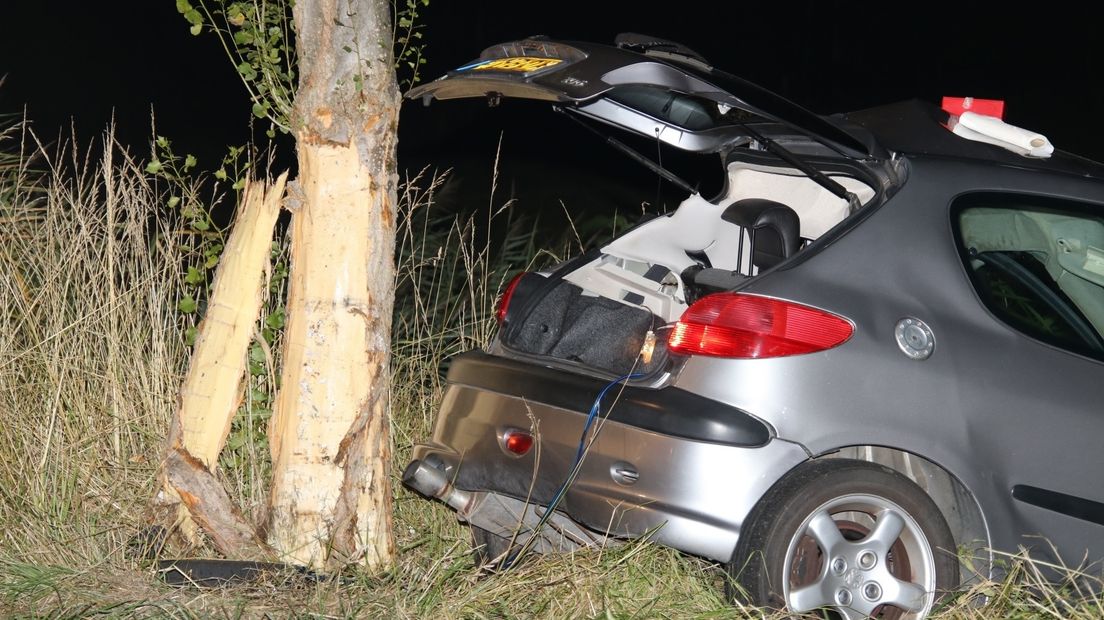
(431, 482)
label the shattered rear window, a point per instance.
(686, 111)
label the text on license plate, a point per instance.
(525, 64)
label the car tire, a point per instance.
(488, 548)
(848, 536)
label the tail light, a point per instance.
(504, 300)
(745, 326)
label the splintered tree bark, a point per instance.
(331, 496)
(211, 391)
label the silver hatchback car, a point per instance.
(878, 348)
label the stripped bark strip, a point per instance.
(334, 360)
(365, 456)
(209, 505)
(211, 392)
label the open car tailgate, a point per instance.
(674, 96)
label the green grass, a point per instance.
(91, 356)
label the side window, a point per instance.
(1038, 265)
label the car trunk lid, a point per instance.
(647, 86)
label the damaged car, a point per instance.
(879, 348)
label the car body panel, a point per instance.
(692, 494)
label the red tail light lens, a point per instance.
(746, 326)
(517, 441)
(504, 300)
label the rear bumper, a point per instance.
(699, 466)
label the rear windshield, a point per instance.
(679, 109)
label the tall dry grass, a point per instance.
(91, 354)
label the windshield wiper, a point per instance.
(666, 174)
(817, 176)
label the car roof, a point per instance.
(918, 128)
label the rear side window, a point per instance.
(1038, 265)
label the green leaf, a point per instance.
(189, 162)
(236, 440)
(175, 200)
(211, 261)
(153, 167)
(196, 29)
(247, 71)
(194, 17)
(201, 224)
(194, 276)
(162, 142)
(240, 183)
(190, 335)
(220, 174)
(187, 305)
(183, 6)
(243, 38)
(276, 319)
(256, 353)
(260, 110)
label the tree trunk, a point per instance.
(211, 391)
(331, 495)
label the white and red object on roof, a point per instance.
(981, 120)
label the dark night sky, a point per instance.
(83, 60)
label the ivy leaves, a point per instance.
(258, 39)
(409, 44)
(191, 15)
(256, 35)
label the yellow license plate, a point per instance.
(522, 64)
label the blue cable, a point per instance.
(591, 416)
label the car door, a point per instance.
(1036, 406)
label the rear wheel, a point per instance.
(849, 537)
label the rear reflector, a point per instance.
(504, 300)
(517, 441)
(739, 325)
